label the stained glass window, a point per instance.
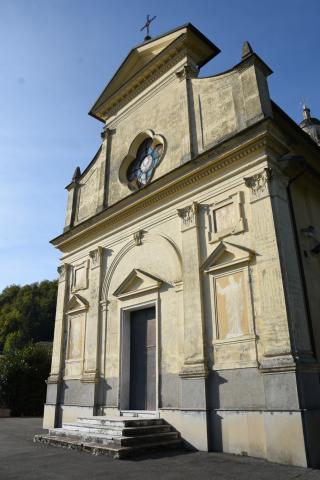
(143, 166)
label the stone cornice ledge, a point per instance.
(257, 137)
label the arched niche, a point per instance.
(156, 254)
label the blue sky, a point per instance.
(56, 57)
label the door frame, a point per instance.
(124, 349)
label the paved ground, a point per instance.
(21, 459)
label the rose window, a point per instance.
(148, 157)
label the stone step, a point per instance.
(112, 450)
(119, 436)
(139, 413)
(146, 439)
(121, 421)
(111, 439)
(116, 430)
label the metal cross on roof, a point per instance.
(147, 26)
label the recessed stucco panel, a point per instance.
(232, 309)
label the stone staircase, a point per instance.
(118, 437)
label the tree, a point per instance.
(28, 310)
(22, 379)
(14, 341)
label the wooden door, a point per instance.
(143, 359)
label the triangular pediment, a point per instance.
(76, 304)
(146, 58)
(137, 282)
(227, 254)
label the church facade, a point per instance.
(190, 265)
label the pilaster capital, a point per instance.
(187, 72)
(62, 271)
(259, 184)
(137, 237)
(189, 216)
(106, 132)
(104, 304)
(96, 257)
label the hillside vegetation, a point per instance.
(26, 322)
(27, 314)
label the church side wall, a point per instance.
(306, 203)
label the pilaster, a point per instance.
(91, 356)
(57, 351)
(51, 410)
(281, 314)
(106, 136)
(187, 73)
(71, 205)
(194, 363)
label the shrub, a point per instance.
(22, 379)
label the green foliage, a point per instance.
(14, 341)
(22, 379)
(28, 310)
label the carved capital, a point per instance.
(187, 72)
(62, 271)
(106, 132)
(104, 304)
(137, 237)
(96, 256)
(259, 183)
(189, 216)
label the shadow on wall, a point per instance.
(215, 442)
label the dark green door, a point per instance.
(143, 359)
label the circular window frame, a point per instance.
(131, 156)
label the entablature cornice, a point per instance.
(254, 142)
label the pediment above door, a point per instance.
(136, 283)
